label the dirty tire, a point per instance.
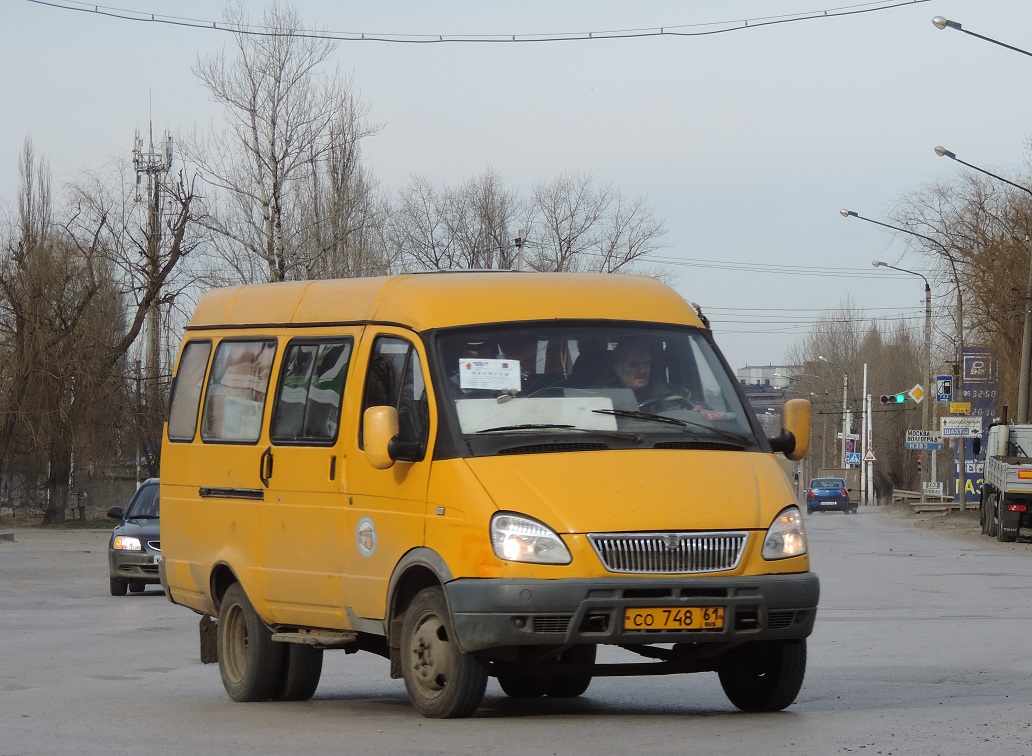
(764, 675)
(250, 663)
(302, 668)
(118, 588)
(525, 687)
(442, 681)
(571, 687)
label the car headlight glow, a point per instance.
(786, 536)
(520, 539)
(126, 543)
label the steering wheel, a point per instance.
(677, 401)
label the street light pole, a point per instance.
(926, 409)
(1025, 372)
(959, 373)
(945, 23)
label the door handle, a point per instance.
(265, 467)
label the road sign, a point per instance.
(849, 445)
(850, 436)
(960, 408)
(869, 457)
(922, 439)
(944, 388)
(917, 393)
(853, 458)
(960, 427)
(934, 489)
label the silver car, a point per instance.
(135, 545)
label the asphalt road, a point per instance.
(920, 647)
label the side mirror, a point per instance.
(115, 513)
(379, 427)
(976, 446)
(794, 439)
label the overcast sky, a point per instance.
(746, 142)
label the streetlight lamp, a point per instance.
(945, 23)
(926, 409)
(959, 373)
(1026, 334)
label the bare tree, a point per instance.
(470, 226)
(291, 139)
(831, 359)
(568, 225)
(977, 235)
(579, 226)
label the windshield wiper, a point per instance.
(744, 441)
(556, 426)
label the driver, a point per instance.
(632, 364)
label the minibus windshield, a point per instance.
(566, 377)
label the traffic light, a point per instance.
(893, 398)
(918, 464)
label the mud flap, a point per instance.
(209, 640)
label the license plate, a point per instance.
(674, 618)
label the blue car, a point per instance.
(827, 495)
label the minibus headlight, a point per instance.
(786, 536)
(521, 539)
(126, 543)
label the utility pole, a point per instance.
(152, 165)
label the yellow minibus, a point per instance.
(542, 478)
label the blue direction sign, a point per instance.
(944, 388)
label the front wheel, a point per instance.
(764, 675)
(442, 681)
(117, 587)
(250, 662)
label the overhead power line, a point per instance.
(678, 30)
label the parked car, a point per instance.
(135, 546)
(827, 495)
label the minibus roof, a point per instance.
(442, 299)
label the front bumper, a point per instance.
(504, 613)
(141, 566)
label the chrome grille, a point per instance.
(669, 553)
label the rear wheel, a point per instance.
(118, 588)
(442, 681)
(571, 687)
(302, 668)
(525, 687)
(764, 675)
(250, 663)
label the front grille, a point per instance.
(156, 545)
(780, 620)
(551, 625)
(669, 553)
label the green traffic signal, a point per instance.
(893, 398)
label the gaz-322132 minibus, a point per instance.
(542, 478)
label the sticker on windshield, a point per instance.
(493, 375)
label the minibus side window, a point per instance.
(308, 401)
(395, 379)
(237, 386)
(186, 392)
